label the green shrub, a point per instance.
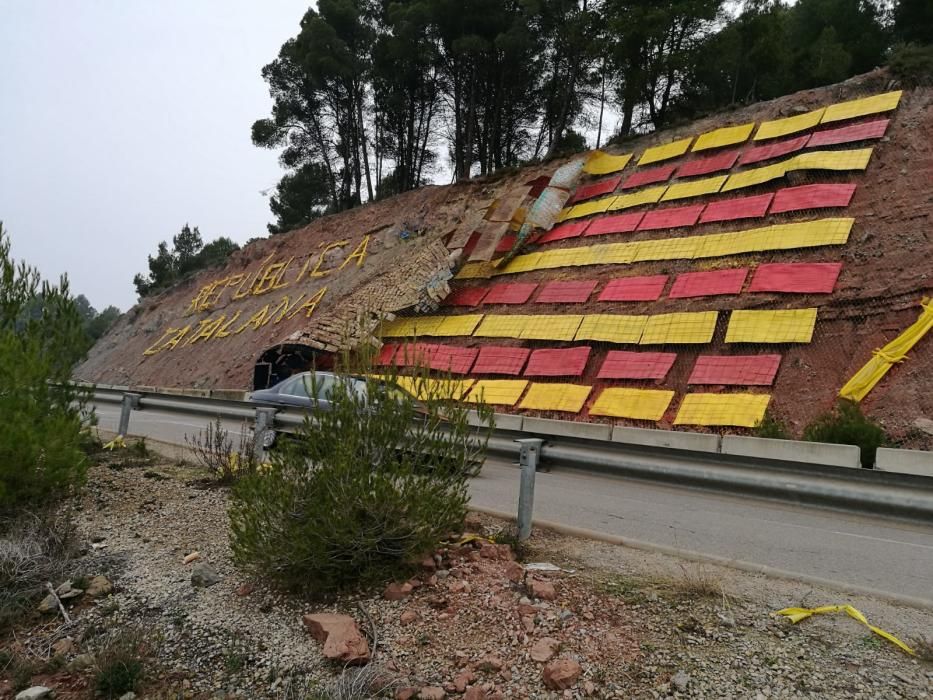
(120, 662)
(912, 64)
(363, 490)
(847, 425)
(771, 427)
(41, 337)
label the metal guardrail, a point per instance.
(796, 475)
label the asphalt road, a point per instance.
(860, 551)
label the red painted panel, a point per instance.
(620, 223)
(453, 359)
(848, 134)
(466, 296)
(596, 188)
(494, 359)
(799, 278)
(649, 176)
(737, 208)
(773, 150)
(386, 353)
(411, 354)
(745, 370)
(506, 243)
(646, 288)
(674, 217)
(537, 185)
(705, 166)
(569, 292)
(813, 197)
(625, 364)
(558, 362)
(510, 293)
(568, 229)
(704, 284)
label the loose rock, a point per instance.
(35, 693)
(204, 575)
(561, 674)
(544, 649)
(98, 587)
(340, 636)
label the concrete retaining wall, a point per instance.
(792, 451)
(904, 461)
(670, 439)
(566, 428)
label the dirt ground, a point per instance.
(634, 624)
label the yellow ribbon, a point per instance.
(795, 615)
(118, 441)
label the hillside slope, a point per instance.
(411, 245)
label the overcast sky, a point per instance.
(120, 120)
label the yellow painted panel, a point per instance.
(501, 392)
(612, 328)
(771, 326)
(551, 327)
(667, 249)
(597, 206)
(614, 253)
(565, 257)
(637, 404)
(882, 360)
(427, 388)
(521, 263)
(475, 270)
(564, 213)
(697, 188)
(856, 159)
(652, 195)
(556, 397)
(859, 108)
(726, 136)
(458, 325)
(790, 125)
(413, 326)
(665, 152)
(687, 327)
(501, 326)
(755, 176)
(600, 163)
(743, 410)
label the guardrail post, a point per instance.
(128, 405)
(265, 420)
(529, 451)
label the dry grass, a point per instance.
(698, 582)
(352, 684)
(923, 646)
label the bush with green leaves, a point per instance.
(40, 415)
(363, 490)
(847, 425)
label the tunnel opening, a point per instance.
(282, 361)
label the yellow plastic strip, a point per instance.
(667, 249)
(755, 176)
(687, 327)
(501, 326)
(600, 163)
(596, 206)
(665, 152)
(612, 328)
(521, 263)
(548, 327)
(882, 360)
(780, 326)
(565, 257)
(413, 326)
(457, 325)
(613, 253)
(790, 125)
(856, 159)
(795, 615)
(652, 195)
(697, 188)
(636, 404)
(427, 388)
(741, 410)
(501, 392)
(726, 136)
(859, 108)
(556, 397)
